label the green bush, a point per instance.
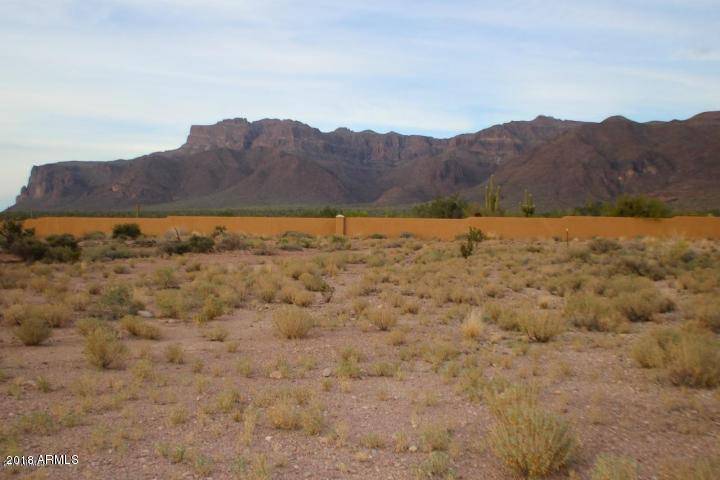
(126, 230)
(23, 243)
(443, 207)
(638, 206)
(195, 244)
(115, 302)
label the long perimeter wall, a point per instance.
(503, 227)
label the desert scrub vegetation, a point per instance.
(614, 467)
(292, 322)
(137, 327)
(126, 231)
(593, 312)
(32, 331)
(473, 327)
(104, 350)
(530, 440)
(687, 357)
(115, 301)
(383, 318)
(541, 326)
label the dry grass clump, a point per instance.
(292, 322)
(55, 315)
(137, 327)
(705, 468)
(172, 303)
(115, 302)
(593, 312)
(541, 326)
(295, 296)
(642, 305)
(164, 278)
(690, 358)
(384, 318)
(436, 465)
(530, 440)
(502, 317)
(174, 354)
(215, 333)
(313, 283)
(104, 350)
(372, 440)
(706, 310)
(349, 363)
(473, 327)
(435, 438)
(86, 325)
(211, 309)
(614, 467)
(33, 331)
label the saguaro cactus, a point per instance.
(528, 205)
(492, 196)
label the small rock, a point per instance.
(145, 314)
(276, 374)
(327, 372)
(268, 438)
(412, 448)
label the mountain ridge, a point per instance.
(236, 162)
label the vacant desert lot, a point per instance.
(319, 358)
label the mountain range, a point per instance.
(236, 163)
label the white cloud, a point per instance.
(108, 79)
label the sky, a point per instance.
(102, 80)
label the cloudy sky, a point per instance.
(100, 80)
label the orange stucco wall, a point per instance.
(504, 227)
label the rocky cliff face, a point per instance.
(235, 163)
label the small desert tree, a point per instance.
(527, 206)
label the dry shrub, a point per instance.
(115, 302)
(436, 465)
(137, 327)
(293, 322)
(314, 283)
(104, 350)
(435, 438)
(641, 306)
(215, 333)
(689, 358)
(705, 468)
(14, 314)
(33, 331)
(164, 278)
(211, 309)
(473, 327)
(614, 467)
(55, 315)
(172, 303)
(531, 441)
(384, 318)
(592, 312)
(284, 415)
(695, 361)
(87, 325)
(541, 326)
(295, 296)
(706, 309)
(174, 354)
(266, 288)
